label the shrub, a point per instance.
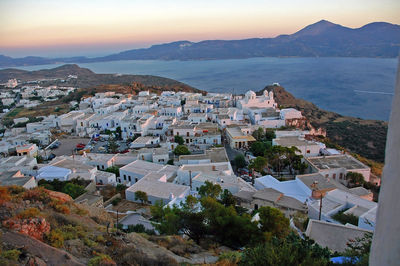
(181, 150)
(101, 259)
(72, 232)
(90, 243)
(16, 189)
(12, 254)
(58, 206)
(37, 194)
(100, 239)
(80, 211)
(230, 257)
(345, 218)
(29, 213)
(56, 238)
(114, 170)
(115, 201)
(4, 195)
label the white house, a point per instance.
(51, 173)
(142, 142)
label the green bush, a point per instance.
(73, 190)
(55, 238)
(100, 259)
(115, 201)
(345, 218)
(12, 254)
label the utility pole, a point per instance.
(190, 179)
(320, 207)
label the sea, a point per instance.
(358, 87)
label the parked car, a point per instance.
(243, 171)
(246, 178)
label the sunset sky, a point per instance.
(65, 28)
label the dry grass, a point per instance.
(41, 110)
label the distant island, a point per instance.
(321, 39)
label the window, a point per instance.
(102, 167)
(187, 134)
(326, 175)
(340, 175)
(129, 178)
(308, 151)
(136, 179)
(124, 177)
(334, 176)
(119, 180)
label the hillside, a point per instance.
(321, 39)
(87, 78)
(43, 227)
(364, 137)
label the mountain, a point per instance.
(87, 78)
(321, 39)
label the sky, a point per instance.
(98, 27)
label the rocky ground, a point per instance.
(40, 227)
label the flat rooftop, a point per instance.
(158, 189)
(237, 133)
(143, 140)
(208, 169)
(293, 141)
(336, 161)
(320, 182)
(99, 156)
(142, 167)
(215, 155)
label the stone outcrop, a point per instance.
(34, 227)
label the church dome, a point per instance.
(250, 95)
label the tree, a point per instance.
(355, 178)
(181, 150)
(270, 134)
(140, 195)
(259, 134)
(39, 159)
(210, 190)
(291, 250)
(240, 161)
(359, 249)
(179, 140)
(259, 148)
(118, 132)
(273, 222)
(114, 170)
(227, 227)
(73, 190)
(258, 164)
(112, 145)
(227, 198)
